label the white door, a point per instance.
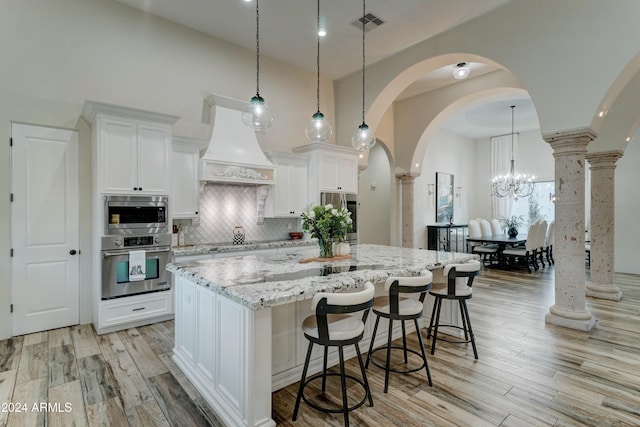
(44, 228)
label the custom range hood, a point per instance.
(233, 154)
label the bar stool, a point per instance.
(332, 326)
(394, 307)
(459, 282)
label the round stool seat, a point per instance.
(342, 327)
(408, 307)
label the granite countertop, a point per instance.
(258, 281)
(211, 248)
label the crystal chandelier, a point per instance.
(514, 185)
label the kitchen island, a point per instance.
(237, 333)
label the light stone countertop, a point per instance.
(212, 248)
(258, 281)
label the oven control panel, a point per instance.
(132, 242)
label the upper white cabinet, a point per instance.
(133, 149)
(338, 173)
(332, 168)
(185, 188)
(288, 197)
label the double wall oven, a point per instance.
(136, 231)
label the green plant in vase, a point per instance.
(327, 223)
(512, 224)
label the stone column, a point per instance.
(569, 150)
(602, 270)
(408, 182)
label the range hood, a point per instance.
(233, 154)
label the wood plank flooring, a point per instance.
(528, 373)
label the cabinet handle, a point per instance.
(138, 309)
(196, 212)
(139, 188)
(135, 188)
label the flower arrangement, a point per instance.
(326, 223)
(512, 224)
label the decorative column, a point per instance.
(601, 285)
(408, 182)
(569, 150)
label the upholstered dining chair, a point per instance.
(486, 252)
(526, 254)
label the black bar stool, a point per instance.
(332, 326)
(459, 282)
(394, 307)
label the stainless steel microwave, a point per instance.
(136, 214)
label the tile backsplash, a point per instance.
(224, 206)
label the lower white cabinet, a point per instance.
(137, 310)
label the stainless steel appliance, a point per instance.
(116, 250)
(348, 201)
(137, 215)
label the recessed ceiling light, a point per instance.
(461, 71)
(322, 32)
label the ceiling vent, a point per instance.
(370, 20)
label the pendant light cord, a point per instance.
(318, 59)
(364, 2)
(258, 48)
(513, 160)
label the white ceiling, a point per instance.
(287, 33)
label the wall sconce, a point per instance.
(458, 191)
(552, 197)
(430, 189)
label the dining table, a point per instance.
(502, 240)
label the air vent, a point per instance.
(370, 20)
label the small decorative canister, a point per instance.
(238, 235)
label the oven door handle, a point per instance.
(106, 254)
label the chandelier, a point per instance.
(514, 185)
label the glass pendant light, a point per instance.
(257, 114)
(318, 128)
(363, 138)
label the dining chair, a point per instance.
(496, 228)
(487, 252)
(526, 254)
(548, 242)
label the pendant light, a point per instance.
(318, 128)
(363, 138)
(257, 114)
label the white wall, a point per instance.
(627, 206)
(374, 193)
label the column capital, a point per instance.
(407, 176)
(604, 159)
(569, 142)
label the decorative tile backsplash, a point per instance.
(224, 206)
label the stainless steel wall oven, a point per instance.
(136, 247)
(116, 272)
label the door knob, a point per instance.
(72, 252)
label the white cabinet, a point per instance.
(185, 189)
(132, 149)
(288, 197)
(134, 311)
(338, 173)
(332, 168)
(133, 158)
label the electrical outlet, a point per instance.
(289, 226)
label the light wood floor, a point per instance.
(528, 373)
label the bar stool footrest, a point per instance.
(336, 410)
(451, 340)
(397, 370)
